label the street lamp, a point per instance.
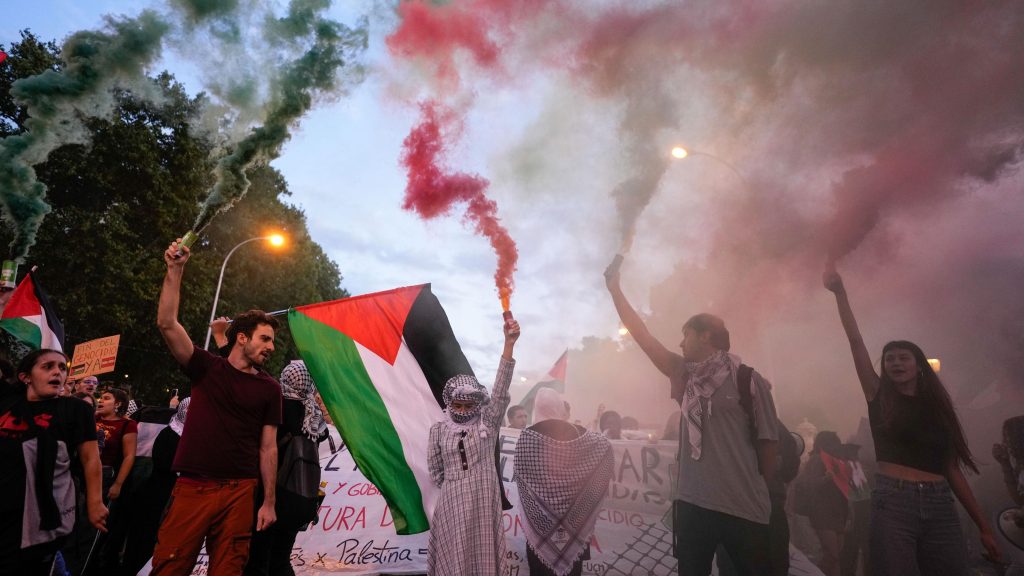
(679, 153)
(273, 239)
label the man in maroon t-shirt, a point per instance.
(228, 444)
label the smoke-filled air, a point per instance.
(884, 137)
(303, 57)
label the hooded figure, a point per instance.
(466, 534)
(562, 472)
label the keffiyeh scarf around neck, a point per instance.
(297, 384)
(561, 487)
(464, 388)
(703, 380)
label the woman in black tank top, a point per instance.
(921, 453)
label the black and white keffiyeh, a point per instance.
(177, 422)
(297, 384)
(561, 487)
(464, 388)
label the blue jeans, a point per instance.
(915, 530)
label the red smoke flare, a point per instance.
(432, 191)
(3, 56)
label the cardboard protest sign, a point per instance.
(94, 357)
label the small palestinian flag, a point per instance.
(30, 318)
(380, 362)
(555, 380)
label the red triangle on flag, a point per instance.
(376, 321)
(557, 371)
(23, 301)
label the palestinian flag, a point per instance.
(380, 361)
(30, 318)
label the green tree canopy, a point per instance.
(121, 199)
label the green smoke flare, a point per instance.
(95, 64)
(334, 46)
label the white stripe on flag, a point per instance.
(412, 408)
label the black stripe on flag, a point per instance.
(431, 340)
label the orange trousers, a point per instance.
(219, 511)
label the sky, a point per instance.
(885, 136)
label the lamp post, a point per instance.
(274, 239)
(680, 153)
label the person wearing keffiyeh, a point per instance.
(466, 532)
(728, 446)
(562, 472)
(271, 549)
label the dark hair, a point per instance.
(120, 400)
(709, 323)
(29, 361)
(609, 418)
(513, 409)
(828, 442)
(935, 397)
(247, 322)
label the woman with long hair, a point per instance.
(40, 433)
(921, 452)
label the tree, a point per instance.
(117, 203)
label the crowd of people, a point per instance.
(88, 489)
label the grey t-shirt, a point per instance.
(726, 479)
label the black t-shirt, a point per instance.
(74, 423)
(916, 437)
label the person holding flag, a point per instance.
(466, 534)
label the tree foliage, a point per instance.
(121, 199)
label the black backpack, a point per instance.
(298, 481)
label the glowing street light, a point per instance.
(680, 153)
(623, 330)
(935, 364)
(275, 240)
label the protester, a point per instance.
(610, 424)
(87, 386)
(517, 417)
(466, 533)
(154, 494)
(40, 434)
(230, 442)
(1010, 456)
(921, 453)
(728, 445)
(826, 505)
(85, 397)
(302, 421)
(562, 472)
(117, 456)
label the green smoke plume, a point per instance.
(332, 47)
(95, 63)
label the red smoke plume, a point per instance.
(433, 191)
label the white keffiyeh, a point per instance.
(703, 379)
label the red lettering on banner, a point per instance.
(345, 517)
(594, 544)
(511, 522)
(340, 486)
(363, 489)
(385, 518)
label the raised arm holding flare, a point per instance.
(229, 443)
(728, 441)
(921, 451)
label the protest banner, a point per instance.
(94, 357)
(355, 534)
